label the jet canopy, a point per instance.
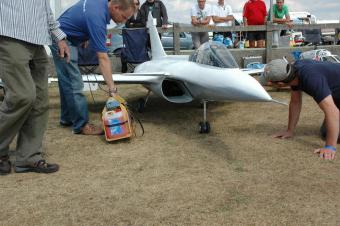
(214, 54)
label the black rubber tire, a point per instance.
(140, 105)
(204, 127)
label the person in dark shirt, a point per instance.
(321, 80)
(137, 19)
(158, 11)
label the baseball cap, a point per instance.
(278, 70)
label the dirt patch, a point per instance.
(236, 175)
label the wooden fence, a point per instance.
(269, 28)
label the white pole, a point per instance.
(271, 11)
(275, 33)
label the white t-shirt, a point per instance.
(222, 11)
(201, 13)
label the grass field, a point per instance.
(236, 175)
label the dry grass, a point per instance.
(236, 175)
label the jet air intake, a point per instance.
(175, 91)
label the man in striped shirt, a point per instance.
(25, 26)
(86, 21)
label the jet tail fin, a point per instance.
(157, 50)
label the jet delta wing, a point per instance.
(128, 78)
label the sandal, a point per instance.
(39, 167)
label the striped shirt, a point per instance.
(30, 21)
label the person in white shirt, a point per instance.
(222, 15)
(200, 16)
(25, 27)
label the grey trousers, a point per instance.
(198, 38)
(24, 110)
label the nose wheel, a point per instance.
(140, 105)
(204, 127)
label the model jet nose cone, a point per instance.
(248, 88)
(256, 92)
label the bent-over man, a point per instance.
(321, 80)
(86, 21)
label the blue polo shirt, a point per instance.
(87, 20)
(318, 79)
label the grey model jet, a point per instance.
(210, 74)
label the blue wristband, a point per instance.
(330, 147)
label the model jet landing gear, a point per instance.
(205, 125)
(140, 105)
(141, 102)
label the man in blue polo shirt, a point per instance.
(85, 21)
(321, 80)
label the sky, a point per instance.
(179, 10)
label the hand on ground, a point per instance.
(283, 135)
(325, 153)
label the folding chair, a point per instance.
(134, 49)
(88, 64)
(312, 36)
(87, 60)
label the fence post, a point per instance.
(177, 45)
(269, 41)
